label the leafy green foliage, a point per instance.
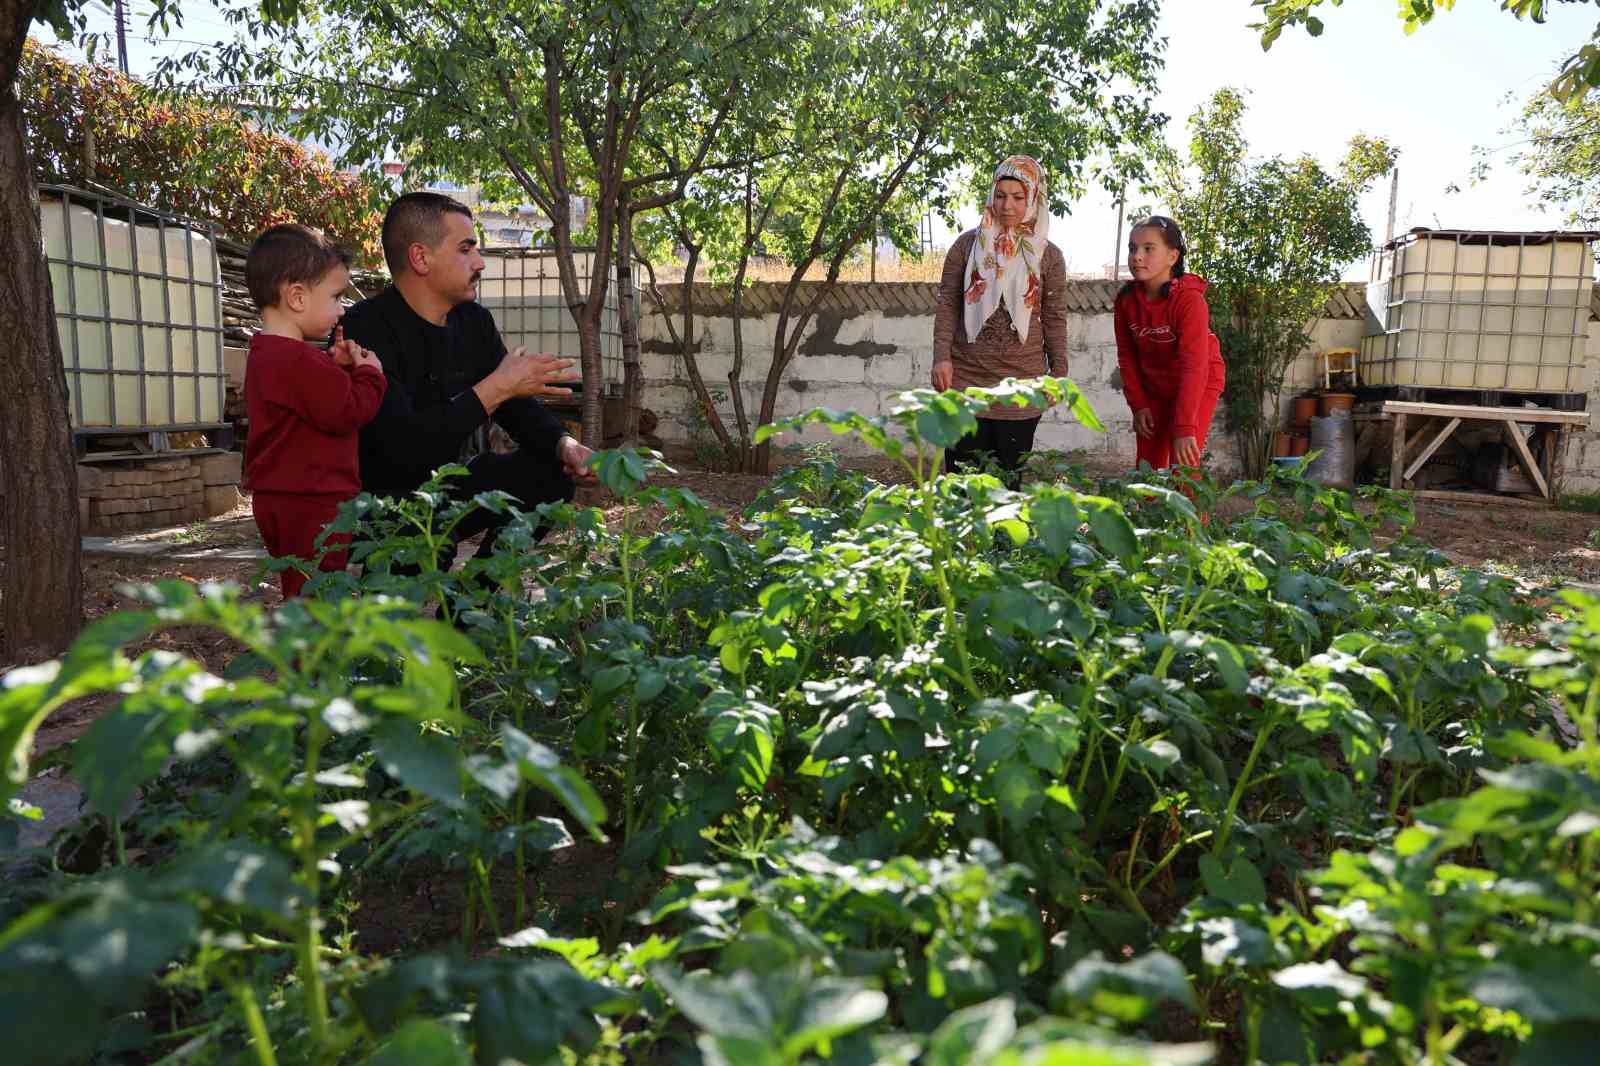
(1272, 237)
(923, 771)
(186, 155)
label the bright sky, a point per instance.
(1435, 94)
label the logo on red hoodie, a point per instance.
(1160, 334)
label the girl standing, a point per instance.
(1172, 371)
(1002, 311)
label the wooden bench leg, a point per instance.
(1514, 436)
(1397, 459)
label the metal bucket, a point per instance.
(1335, 437)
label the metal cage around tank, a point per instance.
(521, 287)
(138, 306)
(1480, 310)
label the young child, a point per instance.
(305, 405)
(1172, 371)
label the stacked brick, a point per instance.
(122, 497)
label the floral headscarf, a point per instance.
(1004, 263)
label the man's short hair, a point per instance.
(415, 218)
(289, 254)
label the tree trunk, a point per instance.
(594, 308)
(785, 342)
(591, 402)
(686, 346)
(589, 359)
(43, 585)
(588, 325)
(1253, 442)
(752, 230)
(736, 371)
(628, 321)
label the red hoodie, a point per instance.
(1167, 351)
(304, 412)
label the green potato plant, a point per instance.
(920, 770)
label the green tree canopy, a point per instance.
(888, 116)
(559, 95)
(848, 107)
(1273, 237)
(186, 155)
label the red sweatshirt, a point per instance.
(304, 412)
(1167, 352)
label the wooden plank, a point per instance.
(1477, 497)
(1427, 453)
(1415, 439)
(1364, 438)
(1521, 447)
(1549, 436)
(1516, 414)
(1558, 462)
(1397, 454)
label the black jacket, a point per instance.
(430, 410)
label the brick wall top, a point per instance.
(851, 298)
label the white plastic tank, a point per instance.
(138, 307)
(1480, 310)
(522, 290)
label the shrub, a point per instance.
(186, 155)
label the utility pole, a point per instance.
(1116, 252)
(120, 13)
(1394, 197)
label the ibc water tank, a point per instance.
(1487, 310)
(138, 308)
(522, 291)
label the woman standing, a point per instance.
(1002, 312)
(1172, 371)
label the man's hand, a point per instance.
(575, 460)
(521, 374)
(944, 374)
(1144, 423)
(1186, 451)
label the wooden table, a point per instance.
(1412, 450)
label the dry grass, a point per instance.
(926, 268)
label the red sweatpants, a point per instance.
(1157, 448)
(289, 524)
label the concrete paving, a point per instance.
(113, 546)
(218, 541)
(58, 797)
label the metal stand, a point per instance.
(1435, 422)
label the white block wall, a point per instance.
(875, 354)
